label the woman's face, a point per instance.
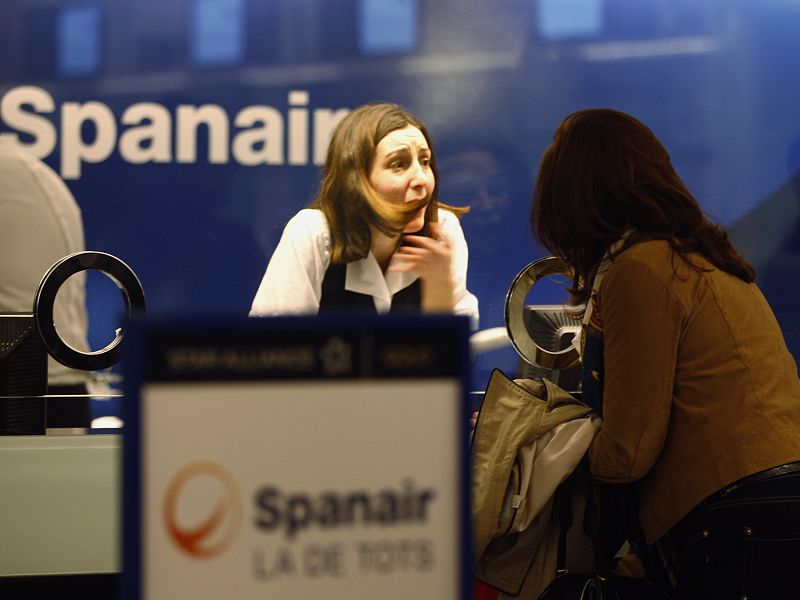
(401, 171)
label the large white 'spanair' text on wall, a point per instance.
(148, 132)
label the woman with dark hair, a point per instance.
(683, 359)
(376, 238)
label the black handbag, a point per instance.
(621, 503)
(595, 587)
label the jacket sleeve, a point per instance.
(642, 324)
(465, 302)
(292, 283)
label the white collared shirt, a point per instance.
(292, 283)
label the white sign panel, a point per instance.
(293, 487)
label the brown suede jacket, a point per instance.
(699, 387)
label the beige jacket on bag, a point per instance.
(530, 436)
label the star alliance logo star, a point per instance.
(336, 356)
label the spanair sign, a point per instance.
(151, 133)
(322, 463)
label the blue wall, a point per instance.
(106, 92)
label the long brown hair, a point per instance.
(346, 197)
(604, 173)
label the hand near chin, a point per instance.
(430, 258)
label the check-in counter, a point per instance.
(59, 510)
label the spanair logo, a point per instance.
(202, 510)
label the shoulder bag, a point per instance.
(603, 584)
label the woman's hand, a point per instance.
(431, 258)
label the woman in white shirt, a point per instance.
(375, 238)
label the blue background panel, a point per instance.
(195, 218)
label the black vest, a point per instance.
(335, 298)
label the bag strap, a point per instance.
(591, 525)
(591, 521)
(564, 504)
(604, 563)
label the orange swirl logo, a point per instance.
(202, 510)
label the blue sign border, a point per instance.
(147, 339)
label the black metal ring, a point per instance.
(125, 279)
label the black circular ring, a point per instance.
(125, 279)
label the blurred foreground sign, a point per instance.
(296, 458)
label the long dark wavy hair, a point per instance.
(604, 173)
(346, 197)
